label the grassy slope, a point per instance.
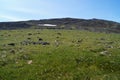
(71, 60)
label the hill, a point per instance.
(96, 25)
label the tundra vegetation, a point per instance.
(36, 54)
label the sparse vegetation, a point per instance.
(70, 55)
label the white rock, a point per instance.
(103, 53)
(30, 62)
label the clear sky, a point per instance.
(15, 10)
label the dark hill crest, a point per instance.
(97, 25)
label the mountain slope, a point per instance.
(96, 25)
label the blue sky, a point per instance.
(17, 10)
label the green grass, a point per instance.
(70, 60)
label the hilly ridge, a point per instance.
(95, 25)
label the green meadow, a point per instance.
(70, 55)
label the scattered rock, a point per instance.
(21, 50)
(29, 62)
(79, 41)
(34, 43)
(44, 43)
(11, 44)
(12, 51)
(104, 53)
(109, 47)
(29, 38)
(57, 43)
(1, 35)
(9, 35)
(38, 33)
(16, 62)
(25, 42)
(57, 37)
(29, 34)
(40, 39)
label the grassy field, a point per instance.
(70, 55)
